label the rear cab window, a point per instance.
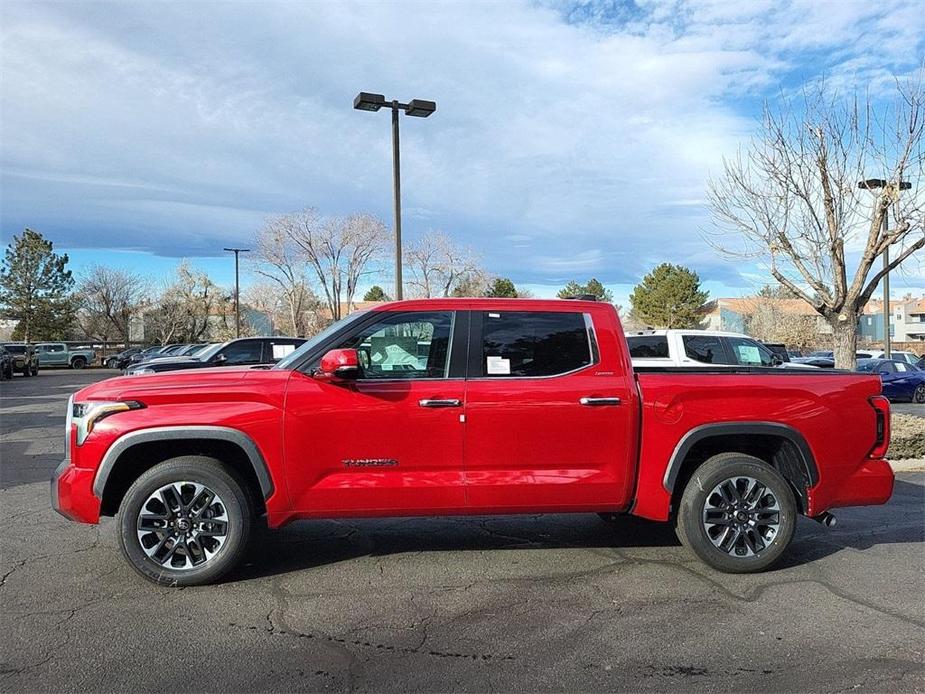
(533, 344)
(707, 349)
(648, 346)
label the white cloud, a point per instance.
(586, 145)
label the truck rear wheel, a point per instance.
(185, 522)
(737, 514)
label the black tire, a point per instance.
(919, 394)
(754, 546)
(26, 371)
(234, 500)
(78, 363)
(35, 369)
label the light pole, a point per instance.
(237, 289)
(420, 108)
(876, 184)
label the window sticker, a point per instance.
(280, 351)
(498, 366)
(749, 354)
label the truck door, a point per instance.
(551, 412)
(391, 441)
(52, 354)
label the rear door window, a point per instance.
(244, 352)
(749, 353)
(707, 349)
(648, 346)
(529, 344)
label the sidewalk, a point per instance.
(908, 465)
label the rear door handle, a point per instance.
(440, 403)
(600, 402)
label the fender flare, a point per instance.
(180, 433)
(708, 431)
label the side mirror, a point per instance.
(219, 359)
(776, 360)
(339, 365)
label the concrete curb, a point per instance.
(909, 465)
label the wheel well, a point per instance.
(141, 457)
(778, 451)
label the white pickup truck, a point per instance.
(691, 348)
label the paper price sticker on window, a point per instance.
(280, 351)
(498, 366)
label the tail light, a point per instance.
(882, 409)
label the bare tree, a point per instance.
(793, 202)
(339, 250)
(268, 298)
(767, 319)
(438, 267)
(187, 308)
(280, 260)
(109, 299)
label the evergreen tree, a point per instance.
(502, 287)
(35, 288)
(669, 297)
(593, 287)
(376, 293)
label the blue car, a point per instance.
(902, 382)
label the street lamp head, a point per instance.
(420, 108)
(365, 101)
(872, 183)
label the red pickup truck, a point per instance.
(468, 406)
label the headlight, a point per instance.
(85, 415)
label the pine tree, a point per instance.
(376, 293)
(502, 287)
(669, 297)
(35, 288)
(593, 287)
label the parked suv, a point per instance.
(243, 351)
(468, 406)
(6, 364)
(25, 358)
(697, 348)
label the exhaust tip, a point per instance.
(827, 519)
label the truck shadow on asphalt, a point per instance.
(305, 545)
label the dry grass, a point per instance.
(907, 438)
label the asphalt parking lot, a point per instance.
(558, 603)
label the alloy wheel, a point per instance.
(741, 516)
(182, 525)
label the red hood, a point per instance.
(176, 382)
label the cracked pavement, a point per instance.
(519, 603)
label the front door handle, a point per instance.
(600, 402)
(440, 403)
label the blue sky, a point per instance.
(572, 139)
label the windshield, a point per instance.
(208, 351)
(16, 349)
(313, 342)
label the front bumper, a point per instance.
(72, 493)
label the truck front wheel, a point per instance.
(185, 522)
(78, 363)
(737, 513)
